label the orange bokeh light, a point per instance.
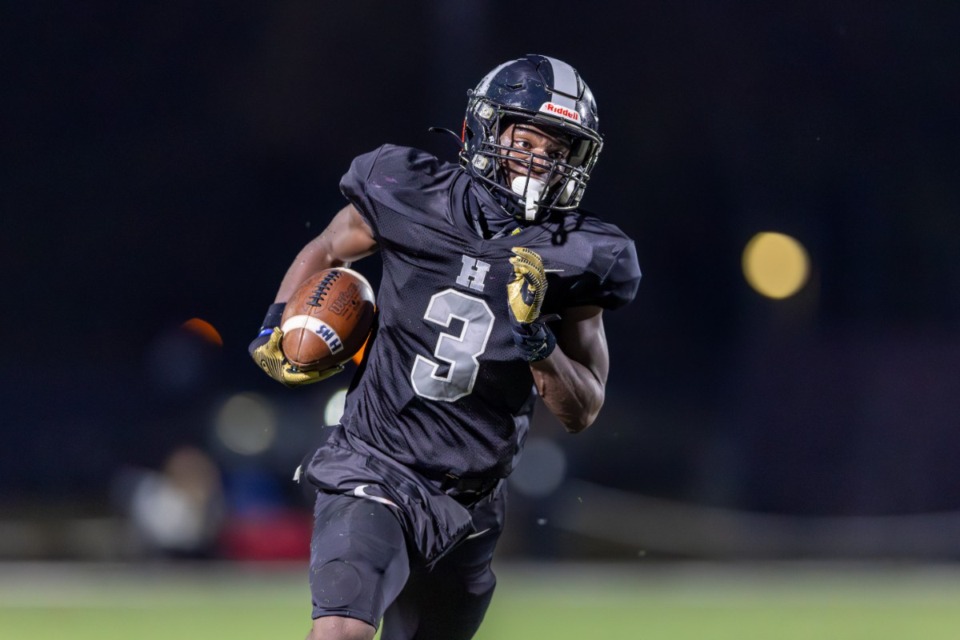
(358, 356)
(203, 329)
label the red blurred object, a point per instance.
(277, 534)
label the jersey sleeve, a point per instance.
(595, 266)
(619, 284)
(610, 280)
(393, 186)
(354, 186)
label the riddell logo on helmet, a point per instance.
(563, 112)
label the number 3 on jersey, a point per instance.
(459, 352)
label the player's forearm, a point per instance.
(347, 238)
(570, 390)
(315, 256)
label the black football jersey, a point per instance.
(442, 388)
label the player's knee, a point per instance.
(337, 628)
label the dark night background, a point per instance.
(165, 161)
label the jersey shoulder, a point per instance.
(595, 261)
(399, 180)
(400, 164)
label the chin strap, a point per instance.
(534, 340)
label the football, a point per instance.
(328, 319)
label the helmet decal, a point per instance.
(560, 110)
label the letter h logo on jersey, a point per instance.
(472, 273)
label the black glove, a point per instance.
(535, 340)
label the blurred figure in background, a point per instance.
(176, 512)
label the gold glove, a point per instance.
(525, 292)
(269, 356)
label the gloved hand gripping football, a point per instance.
(525, 294)
(266, 352)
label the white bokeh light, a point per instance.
(333, 410)
(246, 424)
(541, 470)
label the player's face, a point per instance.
(529, 143)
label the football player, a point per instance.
(493, 291)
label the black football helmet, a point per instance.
(546, 93)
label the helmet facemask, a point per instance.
(541, 184)
(544, 93)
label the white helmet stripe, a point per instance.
(565, 81)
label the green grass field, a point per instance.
(533, 602)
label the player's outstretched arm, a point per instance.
(572, 379)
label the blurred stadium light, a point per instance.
(543, 470)
(246, 424)
(775, 264)
(333, 409)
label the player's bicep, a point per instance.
(348, 237)
(581, 336)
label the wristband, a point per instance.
(273, 317)
(534, 339)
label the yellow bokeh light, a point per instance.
(775, 264)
